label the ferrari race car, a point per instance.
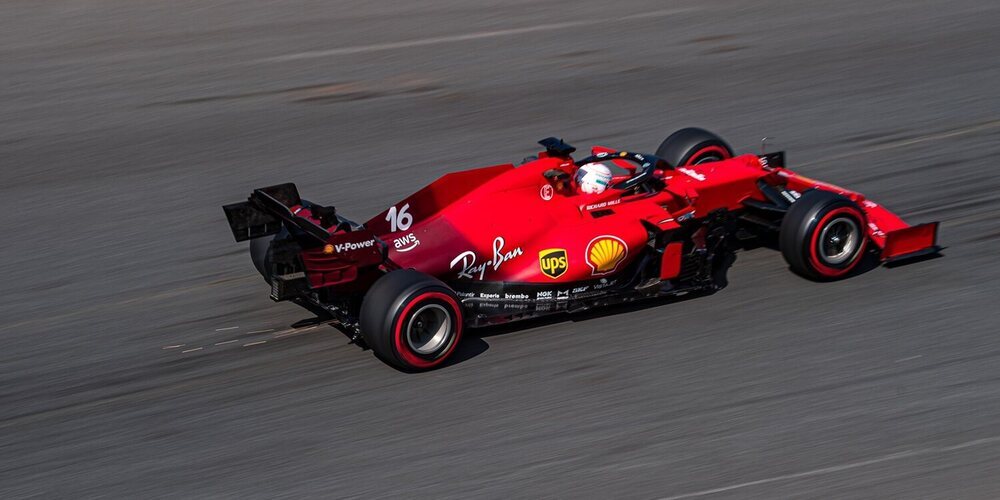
(504, 243)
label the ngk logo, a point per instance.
(351, 246)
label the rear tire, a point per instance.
(823, 236)
(691, 146)
(411, 321)
(258, 255)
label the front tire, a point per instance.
(822, 236)
(693, 146)
(411, 321)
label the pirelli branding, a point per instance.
(553, 262)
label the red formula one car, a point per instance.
(506, 242)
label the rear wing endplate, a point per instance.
(265, 211)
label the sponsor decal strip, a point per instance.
(533, 292)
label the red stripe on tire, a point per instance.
(402, 347)
(814, 258)
(708, 149)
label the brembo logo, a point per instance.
(351, 246)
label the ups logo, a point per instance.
(553, 262)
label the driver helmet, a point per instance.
(593, 178)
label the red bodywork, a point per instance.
(512, 225)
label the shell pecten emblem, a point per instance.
(605, 254)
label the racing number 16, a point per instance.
(401, 220)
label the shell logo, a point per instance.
(605, 253)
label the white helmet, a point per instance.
(593, 178)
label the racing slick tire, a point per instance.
(822, 236)
(258, 255)
(691, 146)
(411, 321)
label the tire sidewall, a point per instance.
(386, 308)
(802, 226)
(686, 145)
(260, 255)
(401, 348)
(704, 149)
(825, 269)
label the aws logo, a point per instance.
(553, 262)
(605, 254)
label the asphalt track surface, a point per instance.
(142, 358)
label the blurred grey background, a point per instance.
(140, 356)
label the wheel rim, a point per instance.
(428, 329)
(839, 240)
(708, 159)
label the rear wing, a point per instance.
(267, 209)
(330, 250)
